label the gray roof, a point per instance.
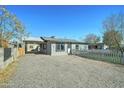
(38, 39)
(53, 39)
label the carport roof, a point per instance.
(37, 39)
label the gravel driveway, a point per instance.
(65, 71)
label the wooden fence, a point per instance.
(8, 55)
(102, 55)
(21, 52)
(4, 43)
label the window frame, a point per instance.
(77, 47)
(44, 46)
(60, 47)
(31, 46)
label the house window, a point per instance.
(41, 46)
(60, 47)
(44, 46)
(77, 47)
(57, 47)
(31, 46)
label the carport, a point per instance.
(34, 45)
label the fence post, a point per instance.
(1, 58)
(122, 58)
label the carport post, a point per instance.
(122, 58)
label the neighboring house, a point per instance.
(97, 46)
(53, 46)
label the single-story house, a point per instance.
(53, 45)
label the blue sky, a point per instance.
(64, 21)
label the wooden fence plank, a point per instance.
(105, 55)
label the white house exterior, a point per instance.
(53, 46)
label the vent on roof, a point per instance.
(52, 36)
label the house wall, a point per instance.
(73, 47)
(49, 49)
(81, 46)
(54, 52)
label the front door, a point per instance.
(43, 48)
(69, 49)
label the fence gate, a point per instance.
(7, 53)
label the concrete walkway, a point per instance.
(65, 71)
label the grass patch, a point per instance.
(6, 73)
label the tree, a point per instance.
(92, 38)
(112, 39)
(10, 26)
(113, 27)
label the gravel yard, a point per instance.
(65, 71)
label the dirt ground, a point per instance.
(65, 72)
